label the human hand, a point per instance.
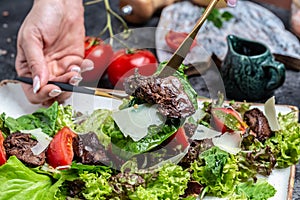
(51, 47)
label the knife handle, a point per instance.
(63, 86)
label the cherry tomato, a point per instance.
(60, 150)
(228, 120)
(125, 61)
(174, 39)
(2, 150)
(179, 138)
(100, 53)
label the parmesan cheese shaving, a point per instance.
(270, 112)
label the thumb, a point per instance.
(33, 52)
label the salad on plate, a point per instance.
(161, 143)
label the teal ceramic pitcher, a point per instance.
(249, 70)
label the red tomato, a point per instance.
(179, 138)
(60, 151)
(100, 53)
(125, 61)
(219, 115)
(174, 39)
(2, 150)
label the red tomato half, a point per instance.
(174, 39)
(219, 115)
(100, 53)
(125, 61)
(179, 138)
(2, 150)
(60, 151)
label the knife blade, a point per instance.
(178, 56)
(80, 89)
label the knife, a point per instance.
(80, 89)
(178, 56)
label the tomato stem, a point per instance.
(108, 27)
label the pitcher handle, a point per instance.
(276, 71)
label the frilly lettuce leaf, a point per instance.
(217, 170)
(99, 121)
(170, 183)
(286, 143)
(64, 117)
(96, 185)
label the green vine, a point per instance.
(109, 14)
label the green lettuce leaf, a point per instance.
(101, 122)
(170, 183)
(97, 186)
(64, 117)
(217, 170)
(19, 182)
(44, 118)
(286, 142)
(254, 191)
(98, 121)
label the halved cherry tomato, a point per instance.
(227, 120)
(2, 150)
(174, 39)
(60, 151)
(100, 53)
(179, 138)
(125, 61)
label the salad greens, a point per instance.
(217, 172)
(170, 183)
(254, 191)
(20, 182)
(50, 120)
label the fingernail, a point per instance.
(54, 93)
(75, 80)
(88, 68)
(76, 69)
(231, 3)
(36, 84)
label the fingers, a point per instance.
(50, 93)
(32, 50)
(231, 3)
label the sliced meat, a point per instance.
(196, 148)
(19, 145)
(124, 184)
(189, 129)
(88, 149)
(167, 92)
(193, 189)
(258, 123)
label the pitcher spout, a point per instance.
(245, 47)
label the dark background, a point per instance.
(13, 12)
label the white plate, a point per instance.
(14, 104)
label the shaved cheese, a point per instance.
(270, 112)
(202, 132)
(134, 121)
(229, 142)
(42, 138)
